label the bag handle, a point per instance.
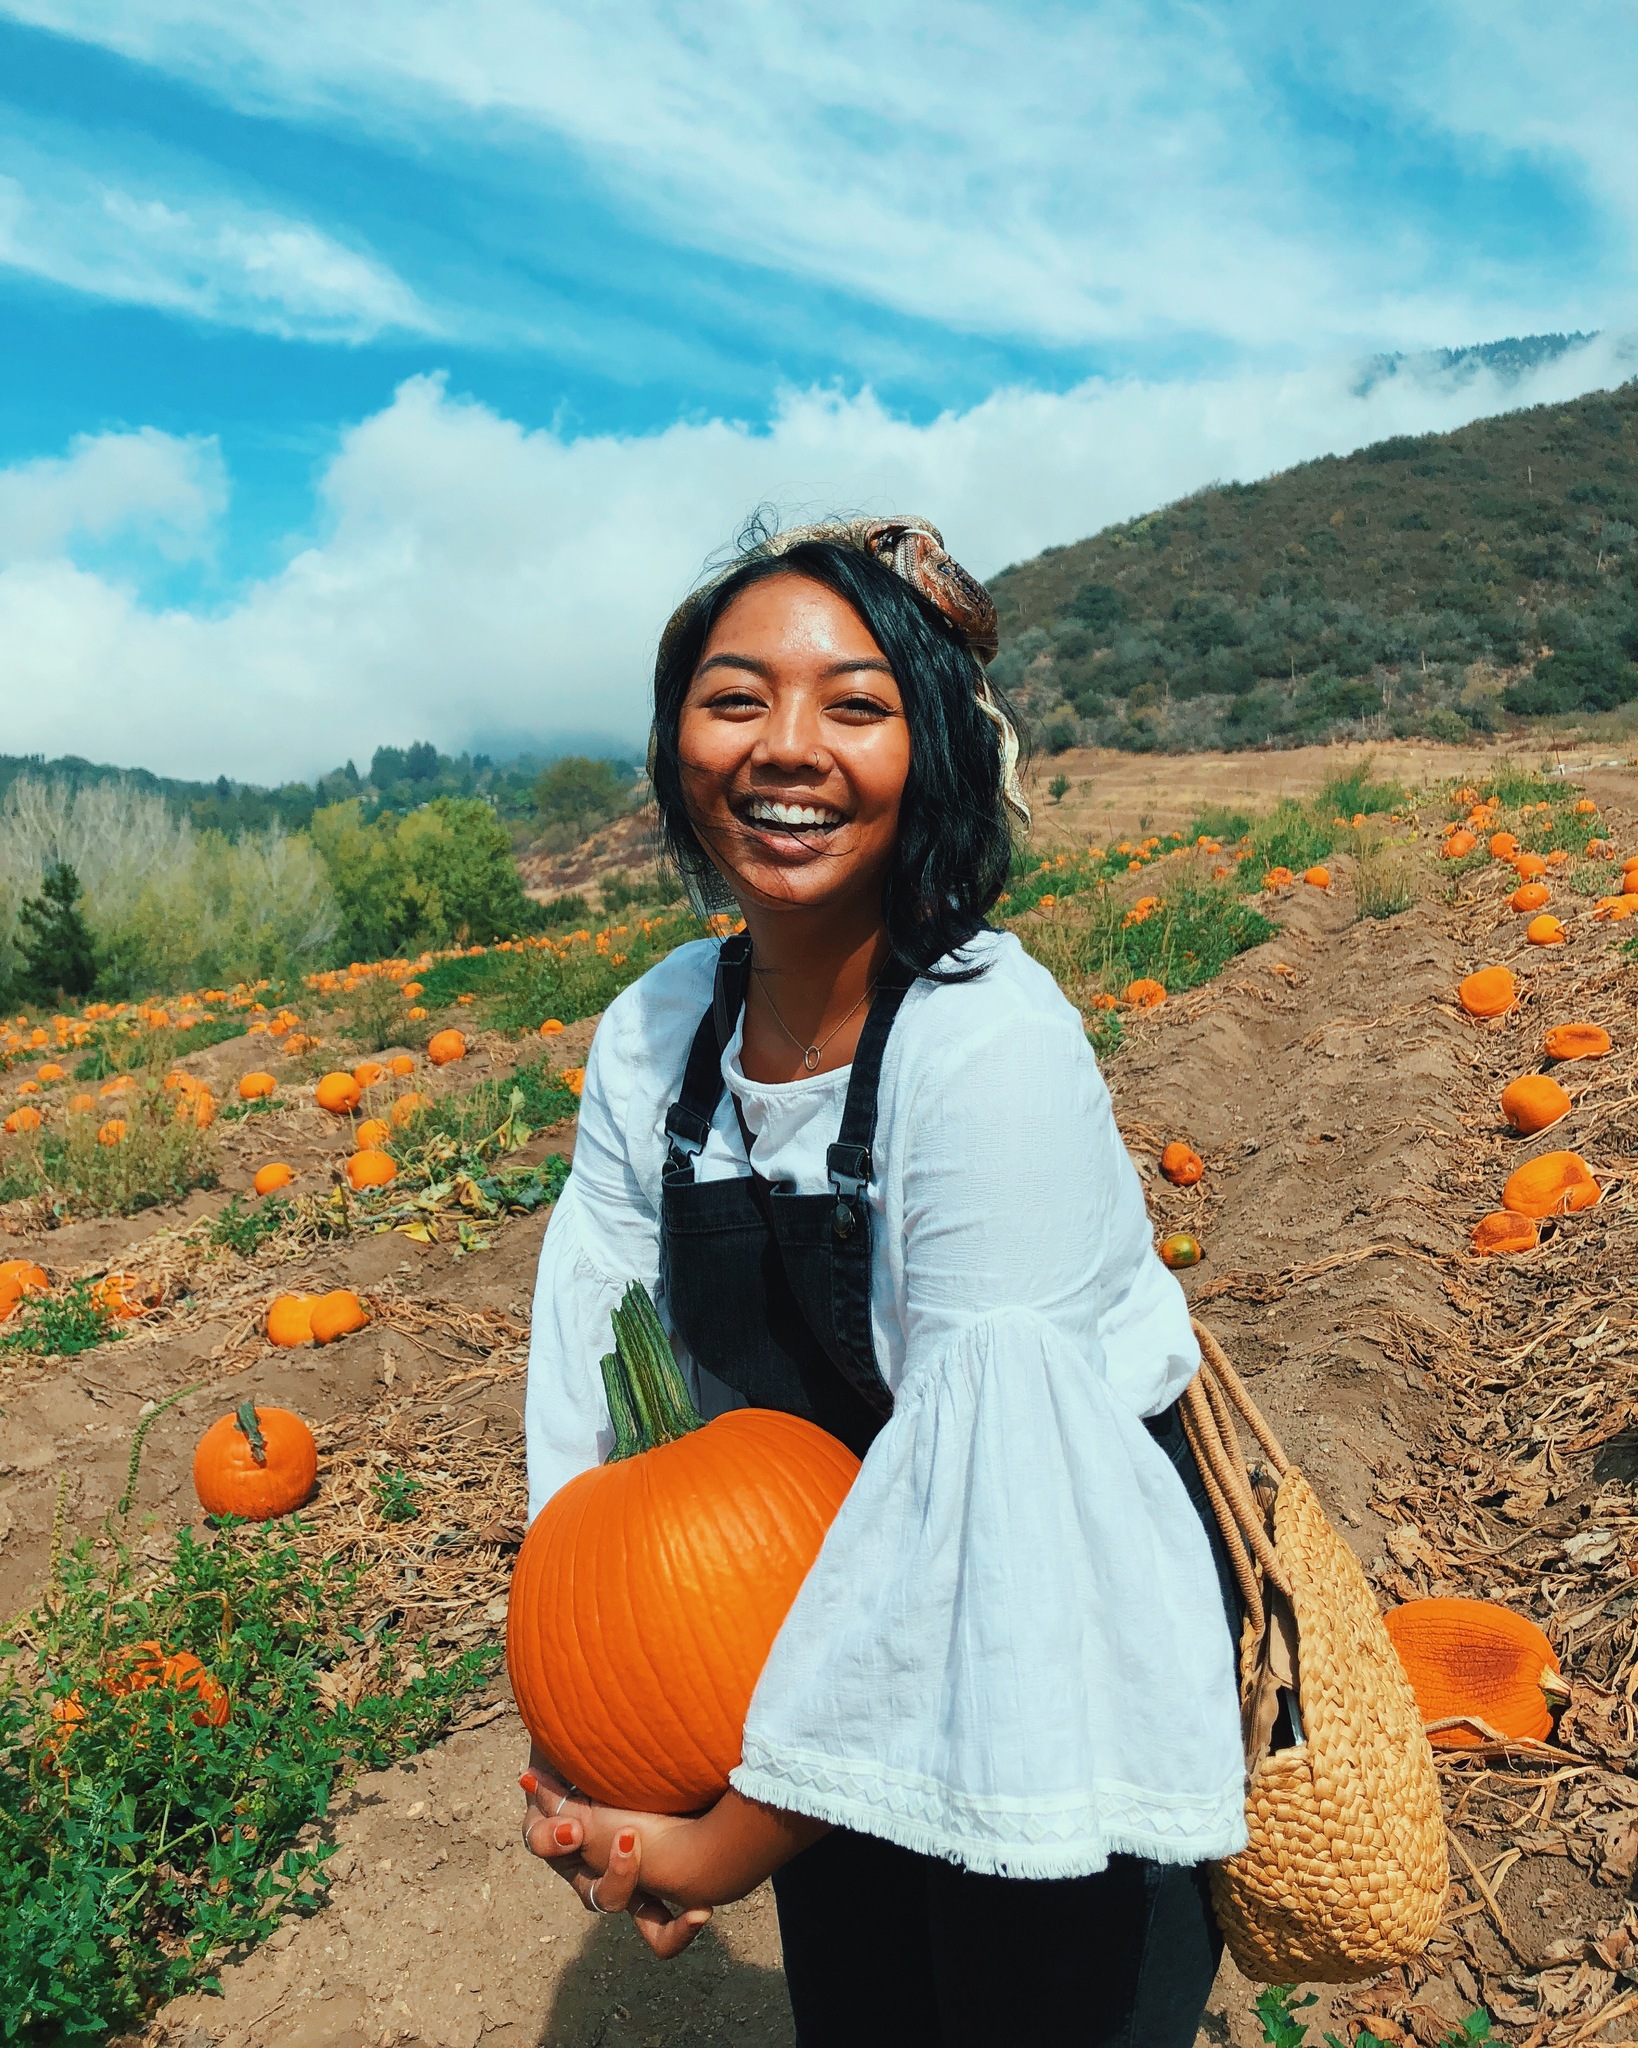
(1209, 1405)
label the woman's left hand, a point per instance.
(600, 1851)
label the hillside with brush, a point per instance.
(1443, 585)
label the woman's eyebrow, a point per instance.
(749, 662)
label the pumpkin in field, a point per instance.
(1181, 1249)
(119, 1294)
(1586, 808)
(649, 1590)
(574, 1078)
(1317, 877)
(1471, 1660)
(50, 1072)
(290, 1320)
(1503, 846)
(407, 1107)
(551, 1027)
(1503, 1232)
(273, 1176)
(1145, 993)
(1554, 1185)
(25, 1119)
(258, 1462)
(371, 1133)
(256, 1087)
(371, 1168)
(17, 1278)
(337, 1314)
(81, 1105)
(197, 1106)
(1529, 867)
(1181, 1164)
(338, 1093)
(368, 1072)
(444, 1046)
(1530, 896)
(401, 1064)
(1576, 1042)
(1458, 845)
(1544, 931)
(147, 1665)
(1533, 1102)
(1491, 992)
(112, 1132)
(1278, 878)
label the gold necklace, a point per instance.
(810, 1053)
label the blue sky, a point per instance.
(386, 370)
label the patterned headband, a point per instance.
(914, 550)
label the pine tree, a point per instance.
(55, 942)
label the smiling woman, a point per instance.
(863, 1155)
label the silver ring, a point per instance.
(591, 1898)
(558, 1808)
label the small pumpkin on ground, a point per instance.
(401, 1064)
(1576, 1042)
(1555, 1184)
(24, 1119)
(273, 1176)
(337, 1314)
(81, 1105)
(371, 1168)
(339, 1093)
(1181, 1164)
(1472, 1660)
(1545, 931)
(368, 1072)
(1503, 1232)
(290, 1320)
(118, 1294)
(1145, 993)
(1503, 846)
(649, 1590)
(445, 1046)
(1533, 1102)
(1278, 878)
(1491, 992)
(256, 1087)
(112, 1132)
(551, 1027)
(407, 1107)
(147, 1665)
(373, 1132)
(258, 1462)
(1317, 877)
(1529, 867)
(1181, 1249)
(1530, 896)
(1458, 845)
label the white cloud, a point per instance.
(1069, 174)
(476, 577)
(168, 491)
(208, 254)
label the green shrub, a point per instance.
(160, 1159)
(136, 1845)
(442, 874)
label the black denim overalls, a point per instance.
(884, 1948)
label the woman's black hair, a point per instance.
(954, 847)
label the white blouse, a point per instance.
(1010, 1651)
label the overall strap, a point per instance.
(688, 1120)
(848, 1160)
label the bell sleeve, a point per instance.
(603, 1233)
(1011, 1651)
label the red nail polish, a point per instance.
(626, 1841)
(530, 1783)
(563, 1833)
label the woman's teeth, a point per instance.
(765, 813)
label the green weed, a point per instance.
(1278, 2006)
(137, 1841)
(59, 1325)
(244, 1228)
(394, 1494)
(160, 1158)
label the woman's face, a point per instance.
(795, 749)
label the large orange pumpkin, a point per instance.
(1503, 846)
(338, 1093)
(256, 1087)
(1458, 845)
(257, 1462)
(1529, 867)
(337, 1314)
(276, 1174)
(372, 1133)
(1530, 896)
(1474, 1658)
(1533, 1102)
(444, 1046)
(1553, 1185)
(1576, 1042)
(649, 1590)
(290, 1320)
(371, 1168)
(1491, 992)
(1545, 931)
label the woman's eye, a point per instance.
(734, 700)
(862, 708)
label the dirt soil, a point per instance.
(1472, 1426)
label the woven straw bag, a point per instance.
(1345, 1871)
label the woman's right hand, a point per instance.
(558, 1839)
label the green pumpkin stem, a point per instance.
(649, 1402)
(246, 1419)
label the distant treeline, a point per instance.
(1438, 584)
